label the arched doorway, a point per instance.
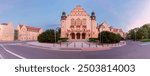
(73, 35)
(78, 35)
(83, 35)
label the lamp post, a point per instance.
(55, 31)
(100, 32)
(135, 31)
(101, 36)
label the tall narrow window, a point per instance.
(73, 22)
(84, 22)
(78, 22)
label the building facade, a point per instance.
(28, 32)
(105, 27)
(6, 32)
(78, 25)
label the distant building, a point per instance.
(105, 27)
(78, 25)
(28, 32)
(6, 32)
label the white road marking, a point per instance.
(148, 43)
(1, 56)
(12, 52)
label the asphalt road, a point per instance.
(19, 50)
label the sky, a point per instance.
(125, 14)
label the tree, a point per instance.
(142, 33)
(49, 36)
(15, 34)
(147, 27)
(132, 33)
(109, 37)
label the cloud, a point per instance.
(141, 17)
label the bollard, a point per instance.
(74, 44)
(67, 45)
(60, 44)
(82, 44)
(96, 44)
(89, 44)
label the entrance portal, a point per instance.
(83, 35)
(73, 35)
(78, 35)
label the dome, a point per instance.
(93, 13)
(64, 13)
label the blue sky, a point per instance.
(125, 14)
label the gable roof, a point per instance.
(78, 11)
(30, 28)
(104, 25)
(4, 23)
(20, 26)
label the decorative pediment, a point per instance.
(78, 11)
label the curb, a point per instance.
(79, 49)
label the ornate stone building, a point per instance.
(105, 27)
(6, 32)
(78, 25)
(28, 32)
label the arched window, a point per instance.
(84, 22)
(73, 22)
(78, 22)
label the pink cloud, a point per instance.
(107, 6)
(141, 17)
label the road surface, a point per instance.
(20, 50)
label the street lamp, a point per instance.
(100, 32)
(102, 37)
(55, 31)
(135, 31)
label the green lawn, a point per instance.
(145, 40)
